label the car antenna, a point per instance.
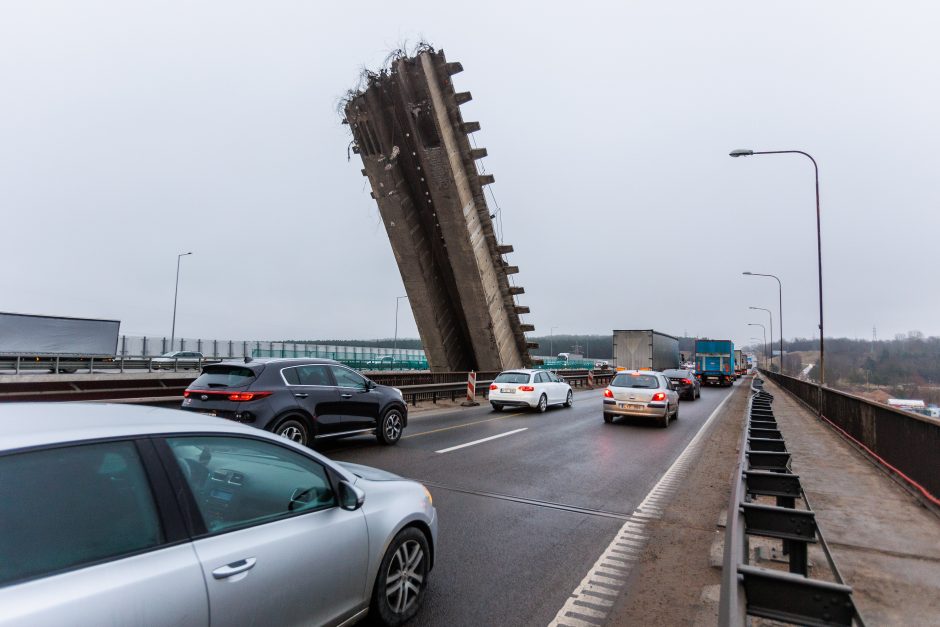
(247, 359)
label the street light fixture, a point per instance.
(771, 355)
(395, 341)
(758, 324)
(747, 153)
(175, 295)
(780, 303)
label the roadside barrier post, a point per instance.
(591, 379)
(471, 390)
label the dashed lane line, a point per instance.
(481, 440)
(610, 572)
(460, 426)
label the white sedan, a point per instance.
(529, 388)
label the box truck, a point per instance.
(645, 349)
(714, 361)
(32, 341)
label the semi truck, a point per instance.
(645, 349)
(55, 342)
(740, 364)
(714, 361)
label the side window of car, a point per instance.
(70, 506)
(239, 482)
(346, 378)
(291, 376)
(314, 375)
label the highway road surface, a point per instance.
(529, 502)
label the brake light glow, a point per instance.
(494, 387)
(248, 396)
(526, 388)
(659, 396)
(608, 393)
(687, 381)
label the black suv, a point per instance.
(299, 399)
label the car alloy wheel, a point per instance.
(570, 400)
(543, 404)
(389, 431)
(293, 430)
(402, 578)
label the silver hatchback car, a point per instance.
(126, 515)
(642, 393)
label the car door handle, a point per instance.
(301, 395)
(346, 395)
(234, 568)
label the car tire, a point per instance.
(608, 418)
(406, 564)
(543, 404)
(664, 421)
(390, 427)
(497, 407)
(293, 428)
(570, 400)
(675, 416)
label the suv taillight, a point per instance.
(526, 388)
(659, 396)
(687, 382)
(608, 393)
(494, 387)
(248, 396)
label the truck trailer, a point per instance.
(32, 341)
(645, 350)
(740, 364)
(714, 361)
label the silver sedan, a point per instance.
(120, 515)
(641, 393)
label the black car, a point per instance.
(299, 399)
(685, 383)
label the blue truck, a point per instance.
(714, 362)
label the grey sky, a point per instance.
(130, 132)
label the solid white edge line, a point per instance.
(492, 437)
(630, 528)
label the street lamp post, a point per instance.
(395, 341)
(758, 324)
(551, 341)
(780, 304)
(748, 153)
(771, 332)
(175, 295)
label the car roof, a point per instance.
(25, 425)
(522, 370)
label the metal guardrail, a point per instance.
(904, 442)
(763, 470)
(169, 386)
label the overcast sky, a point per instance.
(133, 131)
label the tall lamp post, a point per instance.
(175, 295)
(748, 153)
(758, 324)
(395, 341)
(771, 332)
(780, 304)
(551, 341)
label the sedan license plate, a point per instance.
(630, 406)
(507, 390)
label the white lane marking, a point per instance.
(492, 437)
(614, 562)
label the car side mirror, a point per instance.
(351, 498)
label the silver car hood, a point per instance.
(370, 473)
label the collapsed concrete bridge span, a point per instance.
(408, 129)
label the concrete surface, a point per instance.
(884, 542)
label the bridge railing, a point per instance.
(905, 443)
(762, 473)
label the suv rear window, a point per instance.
(512, 377)
(223, 376)
(645, 381)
